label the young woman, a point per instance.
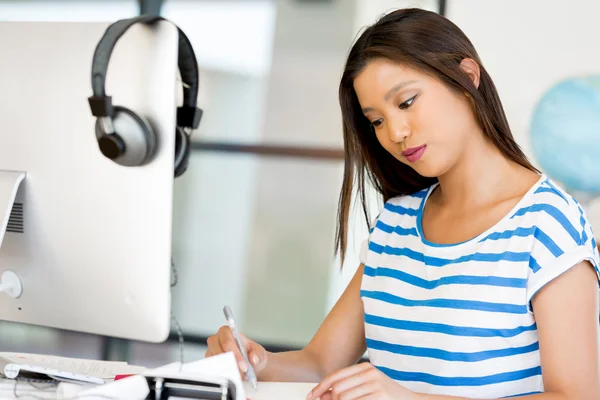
(479, 278)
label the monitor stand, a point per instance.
(9, 185)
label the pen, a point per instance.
(231, 322)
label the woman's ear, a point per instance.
(471, 68)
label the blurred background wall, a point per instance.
(255, 214)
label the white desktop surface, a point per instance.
(278, 390)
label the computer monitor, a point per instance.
(90, 240)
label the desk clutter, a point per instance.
(48, 377)
(40, 377)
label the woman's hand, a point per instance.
(224, 342)
(362, 381)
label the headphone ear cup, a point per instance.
(133, 134)
(182, 151)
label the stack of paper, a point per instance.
(13, 365)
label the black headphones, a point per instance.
(125, 137)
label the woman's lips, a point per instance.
(414, 154)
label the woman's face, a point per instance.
(416, 118)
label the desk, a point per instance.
(278, 391)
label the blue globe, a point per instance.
(565, 133)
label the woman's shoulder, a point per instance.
(561, 227)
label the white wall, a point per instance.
(368, 11)
(528, 46)
(234, 36)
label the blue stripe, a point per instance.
(544, 189)
(461, 381)
(533, 264)
(582, 221)
(450, 355)
(421, 194)
(446, 329)
(440, 262)
(400, 210)
(548, 242)
(594, 245)
(396, 229)
(526, 232)
(446, 303)
(554, 213)
(521, 394)
(519, 232)
(556, 191)
(446, 280)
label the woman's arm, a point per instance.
(567, 317)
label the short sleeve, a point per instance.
(563, 239)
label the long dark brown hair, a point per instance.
(434, 45)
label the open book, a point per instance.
(14, 365)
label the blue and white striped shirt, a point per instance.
(457, 319)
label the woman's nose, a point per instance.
(399, 131)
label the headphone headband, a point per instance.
(188, 115)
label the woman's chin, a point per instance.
(426, 170)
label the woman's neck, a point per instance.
(484, 176)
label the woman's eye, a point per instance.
(407, 103)
(376, 123)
